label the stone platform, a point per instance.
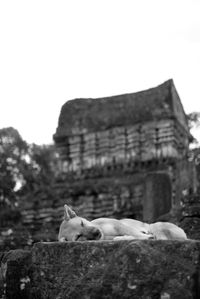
(93, 270)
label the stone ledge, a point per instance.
(125, 269)
(106, 269)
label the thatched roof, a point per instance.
(90, 115)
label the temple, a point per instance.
(126, 155)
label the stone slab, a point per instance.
(123, 269)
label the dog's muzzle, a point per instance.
(89, 233)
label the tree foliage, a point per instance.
(27, 172)
(13, 150)
(193, 119)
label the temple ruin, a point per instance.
(125, 155)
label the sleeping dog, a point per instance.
(75, 228)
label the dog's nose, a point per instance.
(97, 234)
(63, 239)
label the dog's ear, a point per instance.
(68, 213)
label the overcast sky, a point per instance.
(54, 51)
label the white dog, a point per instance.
(74, 228)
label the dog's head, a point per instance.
(74, 228)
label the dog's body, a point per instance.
(74, 228)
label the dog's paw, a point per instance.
(127, 237)
(119, 238)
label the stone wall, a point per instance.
(122, 269)
(190, 221)
(137, 143)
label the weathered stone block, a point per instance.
(124, 269)
(15, 274)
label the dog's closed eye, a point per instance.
(82, 224)
(145, 232)
(77, 237)
(151, 236)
